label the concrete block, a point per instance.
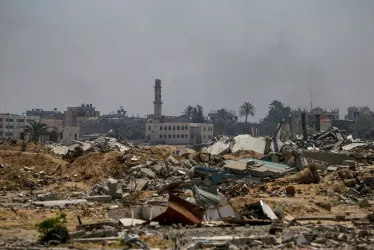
(147, 172)
(59, 203)
(99, 198)
(350, 163)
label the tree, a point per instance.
(198, 114)
(35, 130)
(277, 112)
(55, 135)
(247, 109)
(188, 111)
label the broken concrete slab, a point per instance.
(99, 198)
(59, 203)
(148, 173)
(247, 142)
(137, 184)
(128, 222)
(172, 160)
(113, 188)
(220, 147)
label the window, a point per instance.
(209, 137)
(173, 127)
(1, 119)
(177, 136)
(182, 128)
(160, 127)
(204, 128)
(169, 136)
(9, 120)
(186, 136)
(161, 136)
(204, 136)
(173, 136)
(182, 136)
(165, 136)
(177, 127)
(9, 127)
(149, 128)
(169, 127)
(185, 128)
(192, 136)
(165, 128)
(21, 120)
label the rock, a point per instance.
(325, 205)
(364, 204)
(148, 173)
(350, 163)
(342, 237)
(288, 237)
(232, 247)
(160, 168)
(27, 169)
(172, 160)
(320, 240)
(289, 218)
(291, 190)
(301, 240)
(350, 182)
(187, 164)
(370, 217)
(279, 211)
(354, 192)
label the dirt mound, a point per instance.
(23, 169)
(16, 145)
(96, 166)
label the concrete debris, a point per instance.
(155, 191)
(258, 210)
(59, 203)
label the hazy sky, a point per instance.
(211, 52)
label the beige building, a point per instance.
(174, 130)
(69, 133)
(11, 125)
(75, 116)
(175, 133)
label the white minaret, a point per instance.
(157, 103)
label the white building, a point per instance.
(11, 125)
(172, 130)
(69, 133)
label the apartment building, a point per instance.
(310, 114)
(75, 116)
(11, 125)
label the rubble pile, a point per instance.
(236, 189)
(155, 196)
(324, 140)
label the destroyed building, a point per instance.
(171, 130)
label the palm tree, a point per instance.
(247, 109)
(55, 135)
(35, 130)
(276, 105)
(189, 111)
